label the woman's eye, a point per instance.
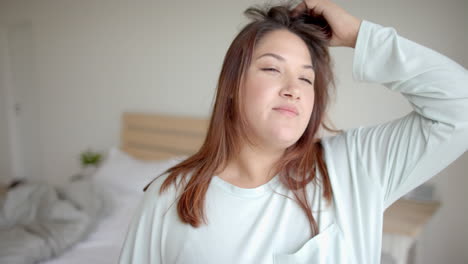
(306, 80)
(270, 69)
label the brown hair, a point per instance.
(299, 162)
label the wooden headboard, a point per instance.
(149, 136)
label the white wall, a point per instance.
(92, 60)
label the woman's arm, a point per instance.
(142, 241)
(402, 154)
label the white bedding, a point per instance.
(124, 178)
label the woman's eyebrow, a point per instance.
(278, 57)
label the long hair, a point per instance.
(297, 166)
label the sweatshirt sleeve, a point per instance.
(142, 242)
(402, 154)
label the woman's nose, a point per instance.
(290, 90)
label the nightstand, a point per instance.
(403, 222)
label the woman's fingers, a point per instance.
(344, 26)
(316, 7)
(301, 7)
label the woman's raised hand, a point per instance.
(344, 26)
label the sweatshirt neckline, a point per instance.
(246, 192)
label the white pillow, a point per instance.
(123, 173)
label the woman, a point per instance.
(264, 188)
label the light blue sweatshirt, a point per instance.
(369, 168)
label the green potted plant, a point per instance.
(90, 161)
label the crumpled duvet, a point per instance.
(39, 221)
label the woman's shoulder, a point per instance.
(340, 141)
(162, 191)
(341, 153)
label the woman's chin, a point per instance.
(284, 141)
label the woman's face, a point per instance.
(280, 76)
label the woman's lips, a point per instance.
(285, 111)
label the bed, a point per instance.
(150, 143)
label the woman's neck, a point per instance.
(252, 167)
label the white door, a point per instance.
(19, 106)
(7, 168)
